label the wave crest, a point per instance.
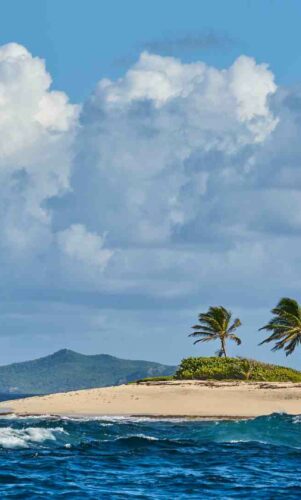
(23, 438)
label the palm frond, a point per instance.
(285, 326)
(236, 324)
(203, 334)
(205, 339)
(236, 339)
(204, 328)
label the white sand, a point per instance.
(170, 399)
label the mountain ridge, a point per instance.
(67, 370)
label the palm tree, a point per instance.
(285, 326)
(215, 325)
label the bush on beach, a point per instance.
(163, 378)
(215, 368)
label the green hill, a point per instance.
(67, 370)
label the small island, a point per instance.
(201, 387)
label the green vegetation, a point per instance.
(285, 326)
(165, 378)
(215, 368)
(68, 370)
(215, 324)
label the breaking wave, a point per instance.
(144, 458)
(24, 438)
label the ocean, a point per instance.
(10, 396)
(118, 458)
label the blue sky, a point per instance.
(150, 166)
(84, 41)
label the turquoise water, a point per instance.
(146, 459)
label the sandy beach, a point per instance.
(169, 399)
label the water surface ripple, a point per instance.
(146, 459)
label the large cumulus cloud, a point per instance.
(176, 179)
(36, 128)
(147, 139)
(167, 165)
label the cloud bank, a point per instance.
(176, 180)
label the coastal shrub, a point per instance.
(163, 378)
(214, 368)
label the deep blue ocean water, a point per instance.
(146, 459)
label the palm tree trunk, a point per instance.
(224, 347)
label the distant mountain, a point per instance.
(67, 370)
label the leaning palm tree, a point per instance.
(285, 326)
(215, 324)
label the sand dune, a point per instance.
(171, 399)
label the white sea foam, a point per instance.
(131, 436)
(23, 438)
(297, 419)
(136, 419)
(143, 436)
(102, 418)
(108, 420)
(14, 416)
(234, 441)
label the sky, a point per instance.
(150, 164)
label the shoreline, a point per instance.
(167, 400)
(151, 417)
(154, 417)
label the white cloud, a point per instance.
(213, 99)
(153, 77)
(55, 113)
(176, 162)
(154, 141)
(251, 84)
(36, 129)
(85, 247)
